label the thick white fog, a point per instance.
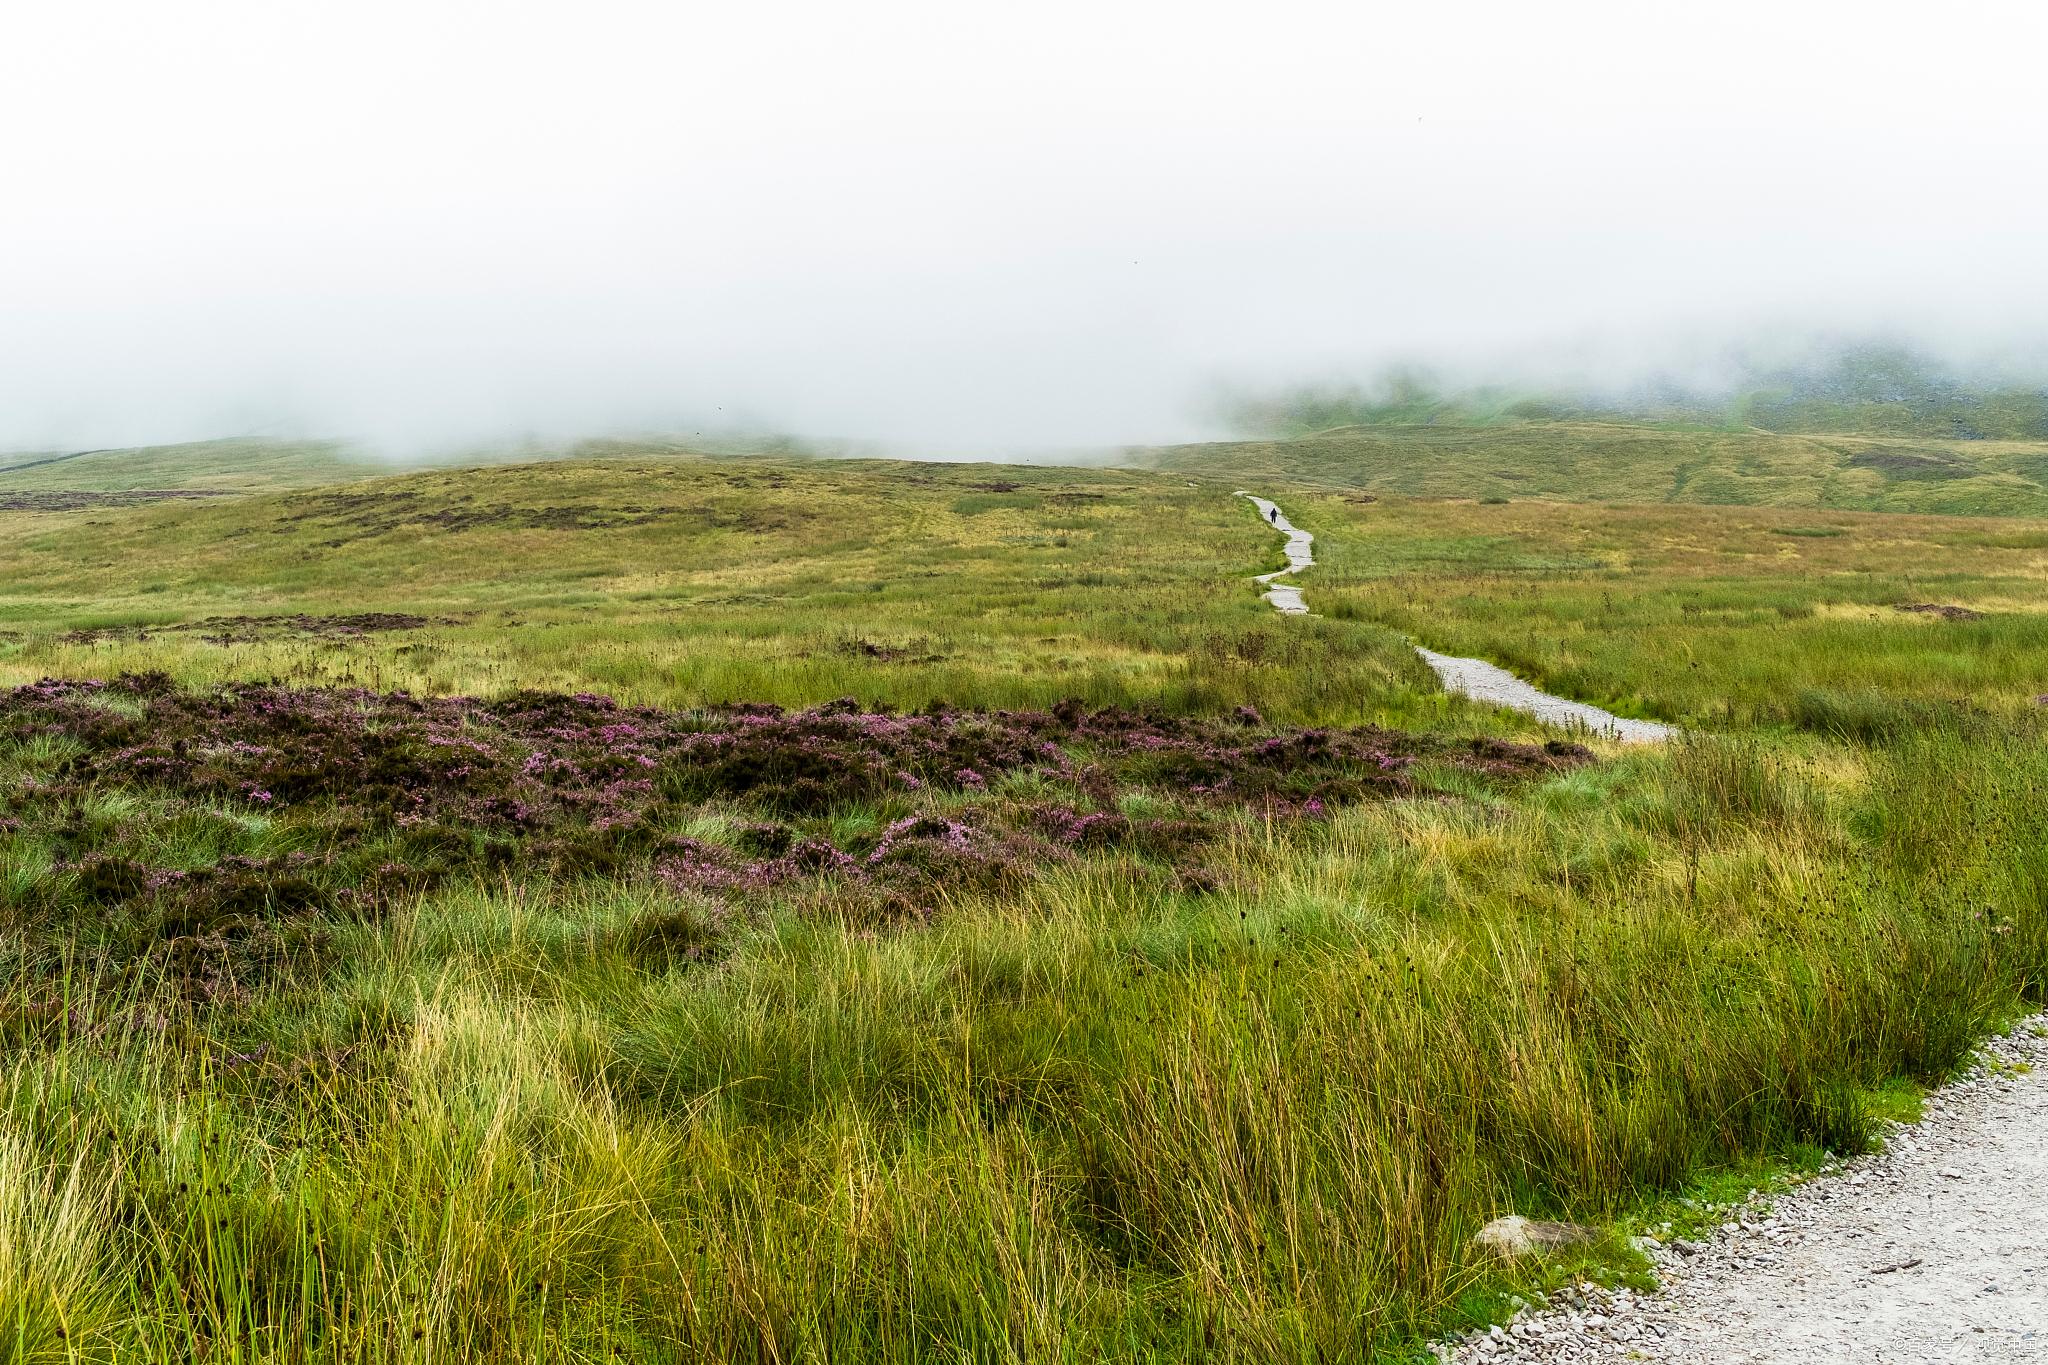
(967, 227)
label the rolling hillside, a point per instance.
(1633, 463)
(197, 467)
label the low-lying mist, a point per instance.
(951, 231)
(1773, 380)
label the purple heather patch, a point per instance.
(392, 793)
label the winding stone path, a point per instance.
(1475, 678)
(1285, 597)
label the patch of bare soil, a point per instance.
(74, 500)
(237, 630)
(1897, 462)
(916, 651)
(373, 514)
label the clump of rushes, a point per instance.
(295, 806)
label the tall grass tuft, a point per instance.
(60, 1281)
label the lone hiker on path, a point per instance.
(1273, 515)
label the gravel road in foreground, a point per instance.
(1932, 1251)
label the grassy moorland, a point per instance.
(489, 1021)
(694, 581)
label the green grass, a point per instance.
(1107, 1113)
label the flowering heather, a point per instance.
(329, 801)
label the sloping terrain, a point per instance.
(229, 466)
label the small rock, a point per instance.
(1515, 1235)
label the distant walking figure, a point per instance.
(1274, 516)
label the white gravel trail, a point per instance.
(1931, 1252)
(1474, 678)
(1285, 597)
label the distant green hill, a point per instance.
(236, 466)
(1587, 461)
(1893, 392)
(1864, 390)
(254, 465)
(1876, 428)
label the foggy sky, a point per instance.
(969, 228)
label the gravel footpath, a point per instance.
(1285, 597)
(1474, 678)
(1494, 685)
(1932, 1251)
